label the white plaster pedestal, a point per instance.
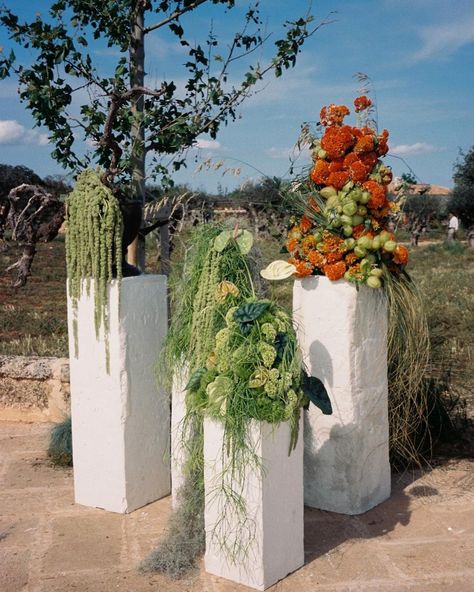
(178, 413)
(273, 495)
(342, 333)
(120, 420)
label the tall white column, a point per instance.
(342, 332)
(269, 533)
(120, 418)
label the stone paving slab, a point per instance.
(420, 540)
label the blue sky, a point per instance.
(419, 55)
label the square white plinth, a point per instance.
(178, 432)
(120, 418)
(273, 497)
(342, 333)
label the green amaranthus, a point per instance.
(93, 244)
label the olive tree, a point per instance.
(462, 199)
(138, 127)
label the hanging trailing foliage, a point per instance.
(198, 314)
(240, 353)
(93, 245)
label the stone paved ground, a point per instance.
(420, 540)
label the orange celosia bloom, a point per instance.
(349, 159)
(333, 243)
(336, 165)
(369, 159)
(400, 255)
(377, 193)
(320, 173)
(338, 180)
(292, 244)
(351, 258)
(305, 224)
(333, 115)
(362, 103)
(334, 257)
(382, 145)
(316, 259)
(365, 144)
(337, 141)
(303, 268)
(358, 231)
(335, 271)
(359, 172)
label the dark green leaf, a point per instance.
(194, 381)
(283, 345)
(316, 392)
(250, 312)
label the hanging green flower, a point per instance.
(93, 245)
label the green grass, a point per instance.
(445, 276)
(33, 319)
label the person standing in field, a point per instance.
(453, 227)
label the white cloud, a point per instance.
(440, 41)
(207, 144)
(411, 149)
(13, 133)
(278, 152)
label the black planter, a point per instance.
(132, 219)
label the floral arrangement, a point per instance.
(93, 245)
(240, 350)
(254, 369)
(343, 231)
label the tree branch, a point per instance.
(175, 15)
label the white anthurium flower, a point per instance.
(278, 270)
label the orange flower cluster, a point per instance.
(362, 103)
(352, 242)
(333, 115)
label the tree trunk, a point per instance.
(136, 251)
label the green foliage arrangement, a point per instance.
(93, 243)
(253, 372)
(241, 356)
(60, 443)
